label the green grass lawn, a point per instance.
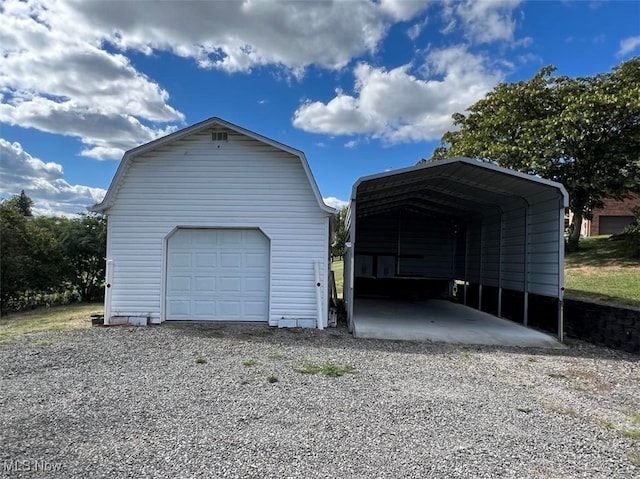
(56, 318)
(602, 271)
(338, 270)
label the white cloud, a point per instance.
(239, 35)
(334, 202)
(482, 21)
(629, 45)
(60, 80)
(415, 30)
(43, 182)
(396, 105)
(64, 69)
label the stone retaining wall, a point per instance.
(617, 328)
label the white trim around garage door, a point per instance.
(165, 266)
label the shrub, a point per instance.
(632, 234)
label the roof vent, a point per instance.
(220, 136)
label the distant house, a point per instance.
(216, 222)
(612, 218)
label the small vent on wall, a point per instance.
(220, 136)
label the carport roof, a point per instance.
(452, 187)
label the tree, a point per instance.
(581, 132)
(22, 203)
(84, 242)
(339, 235)
(29, 256)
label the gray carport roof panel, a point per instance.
(470, 184)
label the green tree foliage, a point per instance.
(339, 235)
(632, 235)
(49, 260)
(582, 132)
(29, 257)
(83, 243)
(22, 203)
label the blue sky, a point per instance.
(359, 86)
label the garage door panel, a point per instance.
(180, 284)
(231, 260)
(230, 284)
(179, 308)
(254, 284)
(209, 238)
(180, 260)
(231, 237)
(206, 284)
(218, 275)
(230, 309)
(206, 260)
(204, 308)
(256, 260)
(182, 241)
(254, 309)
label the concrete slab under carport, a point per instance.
(441, 321)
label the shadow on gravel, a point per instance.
(340, 338)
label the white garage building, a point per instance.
(215, 222)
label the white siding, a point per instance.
(196, 182)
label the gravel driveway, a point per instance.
(182, 401)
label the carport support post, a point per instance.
(525, 317)
(481, 265)
(561, 272)
(466, 261)
(500, 252)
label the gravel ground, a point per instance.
(176, 401)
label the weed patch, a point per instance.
(564, 411)
(623, 431)
(634, 458)
(328, 369)
(249, 362)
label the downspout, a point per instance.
(107, 292)
(319, 295)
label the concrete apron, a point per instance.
(441, 321)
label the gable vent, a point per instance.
(220, 136)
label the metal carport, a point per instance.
(485, 236)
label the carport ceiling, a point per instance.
(456, 187)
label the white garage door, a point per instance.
(218, 274)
